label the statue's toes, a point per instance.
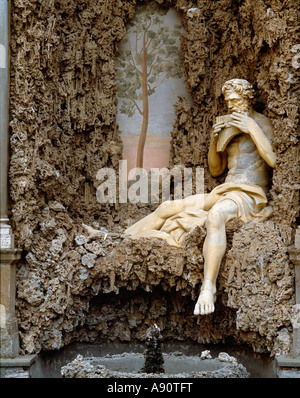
(197, 309)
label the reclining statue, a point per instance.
(241, 142)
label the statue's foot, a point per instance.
(93, 233)
(205, 303)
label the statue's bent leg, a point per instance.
(213, 251)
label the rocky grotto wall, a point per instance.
(63, 130)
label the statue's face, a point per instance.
(236, 103)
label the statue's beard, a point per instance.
(243, 106)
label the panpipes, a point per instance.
(226, 135)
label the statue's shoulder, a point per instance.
(264, 123)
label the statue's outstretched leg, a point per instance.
(213, 251)
(167, 209)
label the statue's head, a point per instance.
(239, 95)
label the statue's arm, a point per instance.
(217, 161)
(261, 135)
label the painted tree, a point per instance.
(144, 63)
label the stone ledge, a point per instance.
(21, 361)
(9, 255)
(294, 253)
(289, 374)
(287, 361)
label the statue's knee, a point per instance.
(214, 218)
(163, 208)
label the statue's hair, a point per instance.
(240, 86)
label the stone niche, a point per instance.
(63, 129)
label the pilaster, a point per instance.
(289, 365)
(9, 338)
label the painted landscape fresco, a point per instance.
(149, 80)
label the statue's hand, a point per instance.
(217, 128)
(242, 122)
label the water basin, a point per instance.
(175, 365)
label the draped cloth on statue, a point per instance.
(251, 202)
